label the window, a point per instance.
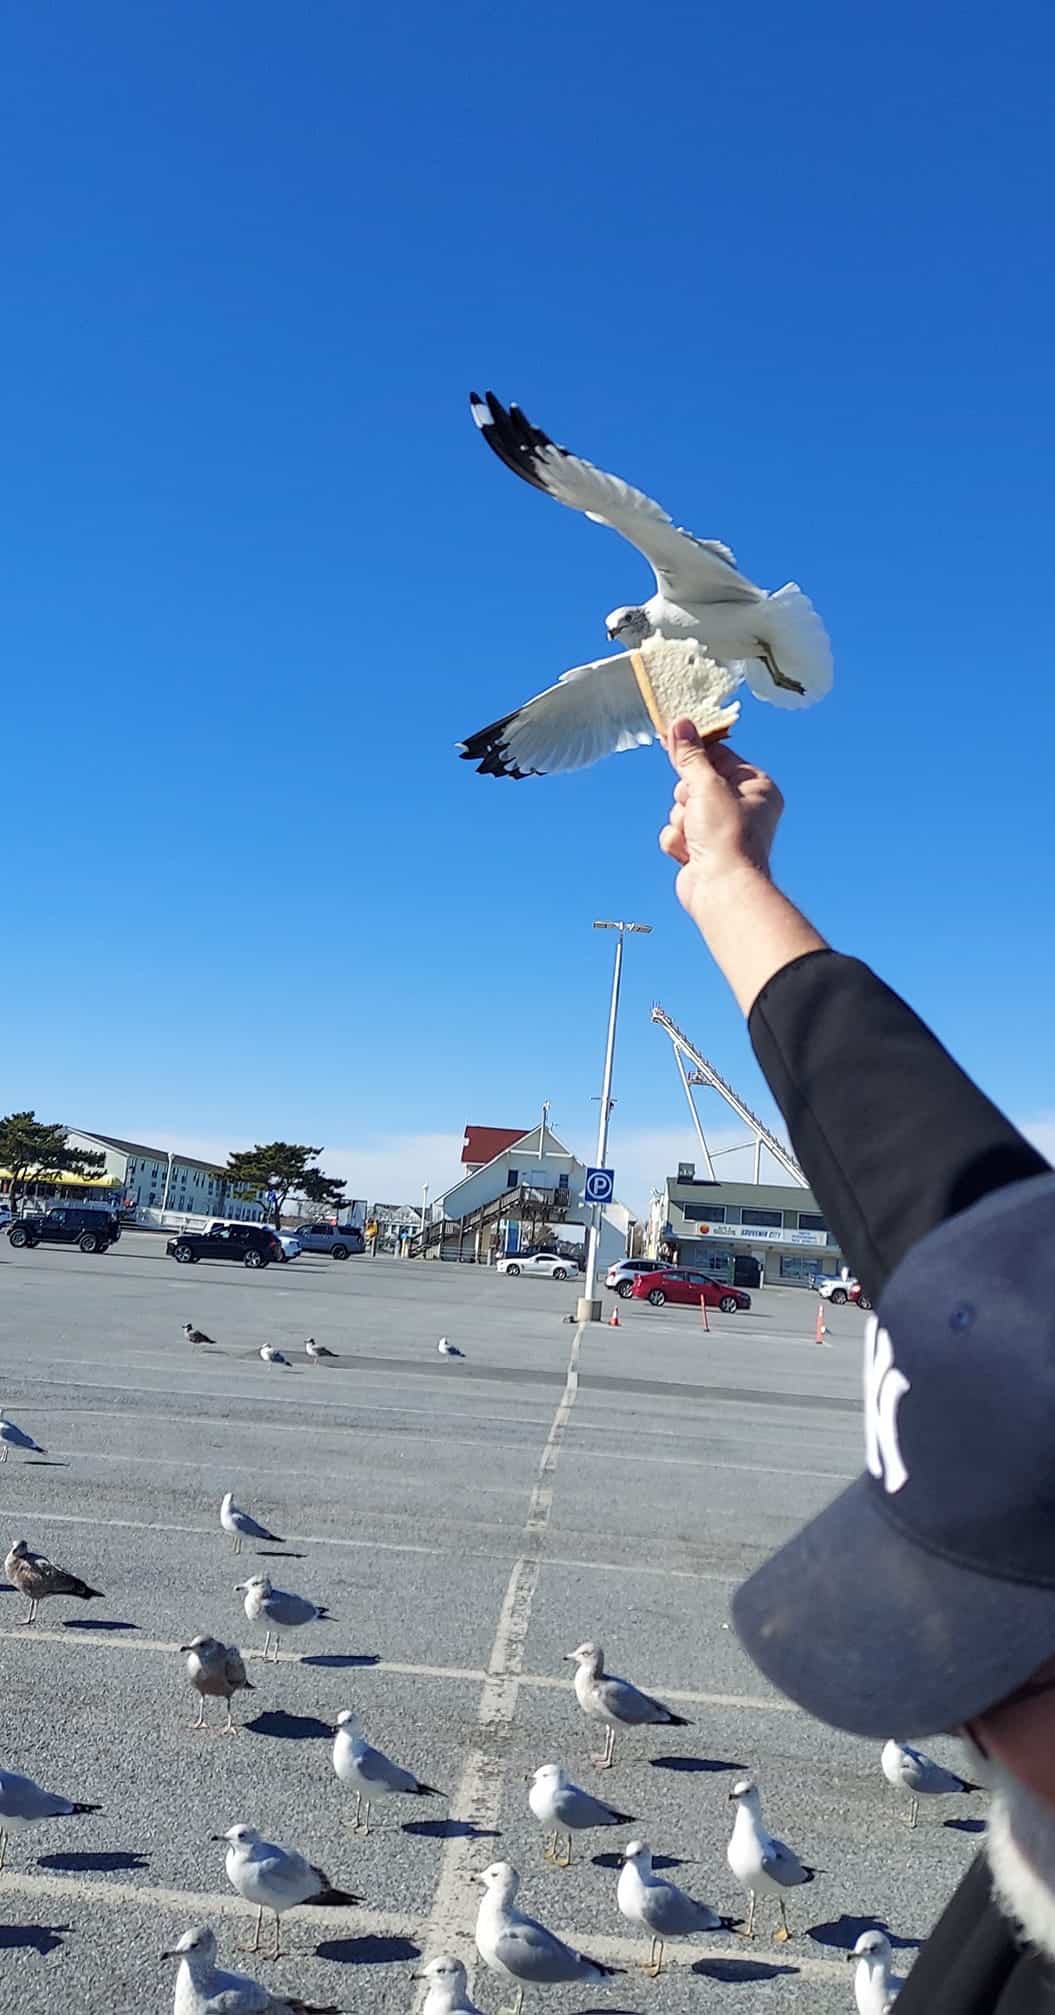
(512, 1177)
(563, 1182)
(796, 1266)
(702, 1213)
(749, 1215)
(811, 1220)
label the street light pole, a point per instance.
(424, 1216)
(589, 1307)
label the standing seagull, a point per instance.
(198, 1337)
(239, 1524)
(23, 1803)
(659, 1906)
(519, 1947)
(908, 1769)
(315, 1352)
(448, 1984)
(281, 1609)
(566, 1808)
(16, 1437)
(36, 1577)
(765, 1866)
(777, 642)
(203, 1988)
(217, 1669)
(448, 1349)
(270, 1355)
(370, 1772)
(276, 1879)
(615, 1701)
(876, 1987)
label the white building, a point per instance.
(750, 1233)
(151, 1180)
(532, 1185)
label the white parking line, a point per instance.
(477, 1799)
(470, 1674)
(201, 1904)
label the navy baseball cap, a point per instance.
(926, 1592)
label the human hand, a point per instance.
(724, 815)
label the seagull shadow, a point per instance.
(616, 1860)
(278, 1553)
(710, 1764)
(449, 1829)
(43, 1938)
(44, 1462)
(290, 1727)
(8, 1588)
(964, 1825)
(340, 1660)
(101, 1864)
(370, 1950)
(96, 1623)
(845, 1931)
(738, 1972)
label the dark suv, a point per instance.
(251, 1244)
(67, 1224)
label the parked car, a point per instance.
(291, 1245)
(5, 1213)
(621, 1278)
(250, 1244)
(549, 1265)
(683, 1285)
(837, 1289)
(337, 1239)
(94, 1230)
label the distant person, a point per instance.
(923, 1599)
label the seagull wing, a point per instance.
(530, 1952)
(375, 1767)
(594, 710)
(236, 1994)
(688, 570)
(784, 1866)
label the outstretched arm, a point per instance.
(892, 1134)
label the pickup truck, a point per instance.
(249, 1244)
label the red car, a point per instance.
(680, 1284)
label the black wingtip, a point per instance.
(678, 1721)
(79, 1807)
(428, 1791)
(488, 751)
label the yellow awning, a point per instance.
(65, 1179)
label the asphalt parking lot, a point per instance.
(467, 1522)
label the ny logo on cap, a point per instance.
(885, 1388)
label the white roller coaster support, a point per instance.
(705, 1073)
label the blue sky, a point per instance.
(786, 269)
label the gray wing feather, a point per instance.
(530, 1952)
(782, 1865)
(627, 1703)
(672, 1912)
(594, 710)
(377, 1768)
(236, 1995)
(576, 1808)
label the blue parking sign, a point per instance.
(599, 1186)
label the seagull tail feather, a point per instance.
(329, 1898)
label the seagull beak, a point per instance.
(569, 1658)
(168, 1955)
(240, 1587)
(218, 1836)
(165, 1955)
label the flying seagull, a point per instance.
(776, 642)
(240, 1526)
(36, 1577)
(216, 1669)
(203, 1988)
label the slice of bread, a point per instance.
(678, 678)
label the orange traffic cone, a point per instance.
(821, 1330)
(613, 1320)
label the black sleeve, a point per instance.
(892, 1134)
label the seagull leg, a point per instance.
(549, 1847)
(605, 1762)
(3, 1850)
(276, 1648)
(278, 1935)
(267, 1642)
(784, 1932)
(255, 1946)
(230, 1726)
(32, 1617)
(750, 1932)
(200, 1723)
(237, 1542)
(655, 1958)
(517, 2007)
(914, 1812)
(562, 1853)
